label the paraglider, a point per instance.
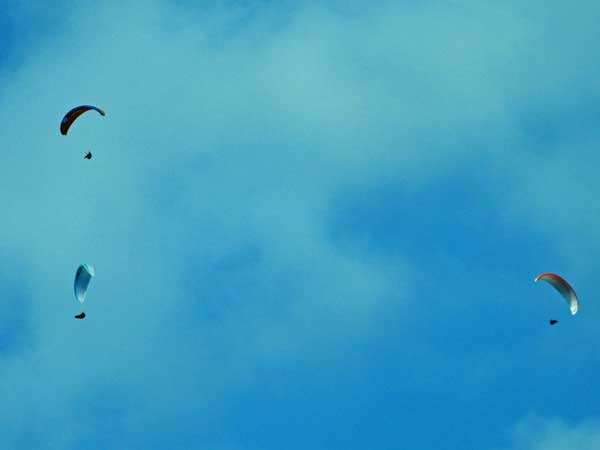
(83, 276)
(88, 155)
(552, 321)
(80, 316)
(563, 287)
(72, 115)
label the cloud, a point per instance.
(545, 433)
(201, 212)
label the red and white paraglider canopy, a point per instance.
(563, 287)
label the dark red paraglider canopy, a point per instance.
(72, 115)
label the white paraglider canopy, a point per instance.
(84, 274)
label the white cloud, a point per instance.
(542, 433)
(201, 155)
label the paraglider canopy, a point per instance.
(72, 115)
(84, 274)
(563, 287)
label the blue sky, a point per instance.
(315, 225)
